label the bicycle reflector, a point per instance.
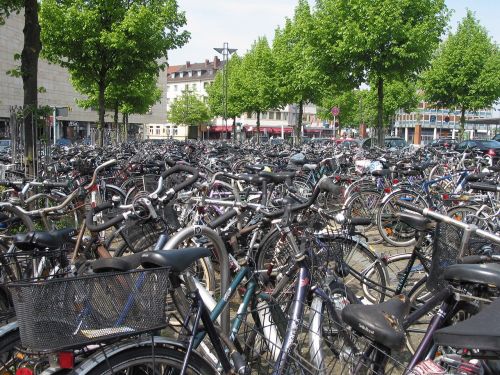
(66, 360)
(24, 371)
(491, 152)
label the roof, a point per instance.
(208, 70)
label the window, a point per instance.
(285, 116)
(172, 75)
(150, 130)
(278, 115)
(271, 115)
(199, 73)
(264, 115)
(175, 130)
(175, 87)
(157, 130)
(190, 74)
(163, 130)
(181, 74)
(193, 86)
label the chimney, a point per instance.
(216, 62)
(188, 64)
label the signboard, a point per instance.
(335, 111)
(447, 119)
(433, 118)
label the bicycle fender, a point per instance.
(111, 350)
(387, 196)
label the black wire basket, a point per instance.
(76, 311)
(446, 251)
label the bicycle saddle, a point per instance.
(381, 323)
(179, 259)
(277, 177)
(120, 264)
(415, 221)
(254, 167)
(488, 273)
(479, 332)
(44, 240)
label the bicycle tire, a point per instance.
(392, 230)
(141, 357)
(365, 203)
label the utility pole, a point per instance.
(225, 51)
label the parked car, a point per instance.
(348, 142)
(389, 142)
(496, 137)
(63, 142)
(5, 145)
(320, 141)
(491, 148)
(444, 143)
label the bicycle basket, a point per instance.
(446, 246)
(74, 312)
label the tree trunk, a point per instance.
(116, 140)
(462, 124)
(258, 126)
(29, 71)
(298, 128)
(234, 129)
(125, 127)
(380, 111)
(102, 111)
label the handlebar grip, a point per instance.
(359, 221)
(410, 207)
(485, 187)
(223, 218)
(474, 259)
(56, 184)
(100, 227)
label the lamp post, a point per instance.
(225, 51)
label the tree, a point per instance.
(189, 110)
(258, 80)
(102, 41)
(297, 75)
(465, 71)
(234, 92)
(376, 41)
(28, 72)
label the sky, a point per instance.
(241, 22)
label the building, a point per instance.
(58, 91)
(442, 122)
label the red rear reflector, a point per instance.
(446, 196)
(24, 371)
(491, 152)
(387, 189)
(395, 181)
(66, 359)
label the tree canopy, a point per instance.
(188, 109)
(104, 41)
(258, 80)
(375, 41)
(298, 78)
(465, 71)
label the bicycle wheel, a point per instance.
(10, 358)
(365, 277)
(468, 214)
(392, 230)
(365, 203)
(395, 266)
(140, 360)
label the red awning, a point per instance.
(221, 129)
(269, 130)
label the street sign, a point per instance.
(433, 118)
(335, 111)
(447, 119)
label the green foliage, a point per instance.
(358, 41)
(465, 71)
(188, 109)
(110, 42)
(234, 90)
(258, 83)
(9, 6)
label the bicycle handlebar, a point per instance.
(108, 224)
(485, 187)
(97, 170)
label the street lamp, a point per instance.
(225, 51)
